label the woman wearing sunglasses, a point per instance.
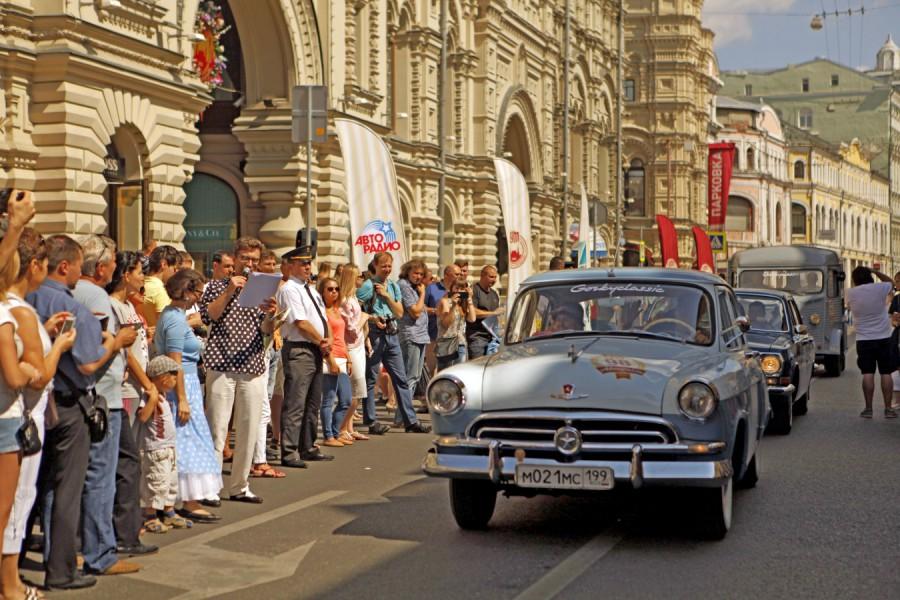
(336, 380)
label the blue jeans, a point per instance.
(98, 536)
(274, 361)
(386, 351)
(336, 399)
(414, 361)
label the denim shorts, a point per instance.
(8, 429)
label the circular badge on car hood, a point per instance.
(567, 440)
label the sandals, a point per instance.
(359, 436)
(345, 438)
(175, 521)
(866, 414)
(32, 593)
(267, 471)
(155, 526)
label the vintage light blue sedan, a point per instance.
(635, 377)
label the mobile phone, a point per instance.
(104, 320)
(67, 325)
(136, 324)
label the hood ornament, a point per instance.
(568, 393)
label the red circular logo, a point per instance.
(518, 249)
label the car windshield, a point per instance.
(644, 309)
(797, 282)
(765, 314)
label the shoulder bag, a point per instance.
(94, 407)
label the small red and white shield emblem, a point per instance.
(568, 389)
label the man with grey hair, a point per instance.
(98, 536)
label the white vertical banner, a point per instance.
(585, 237)
(517, 223)
(376, 222)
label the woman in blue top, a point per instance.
(199, 472)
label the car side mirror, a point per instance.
(801, 330)
(743, 323)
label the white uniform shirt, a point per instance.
(293, 298)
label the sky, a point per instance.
(766, 34)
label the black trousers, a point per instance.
(127, 517)
(63, 470)
(302, 364)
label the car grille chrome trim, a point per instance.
(598, 429)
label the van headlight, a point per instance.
(815, 319)
(697, 400)
(771, 364)
(446, 395)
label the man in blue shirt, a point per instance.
(381, 299)
(67, 443)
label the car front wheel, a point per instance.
(472, 502)
(714, 509)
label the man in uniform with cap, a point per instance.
(306, 343)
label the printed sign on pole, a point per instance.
(718, 241)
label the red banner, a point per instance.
(668, 242)
(721, 158)
(705, 260)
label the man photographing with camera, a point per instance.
(380, 298)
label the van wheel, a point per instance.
(714, 509)
(472, 502)
(834, 365)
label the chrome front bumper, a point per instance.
(466, 458)
(782, 390)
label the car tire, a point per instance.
(714, 510)
(472, 502)
(801, 406)
(782, 418)
(751, 475)
(834, 365)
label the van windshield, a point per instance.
(797, 282)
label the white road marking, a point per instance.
(203, 571)
(558, 578)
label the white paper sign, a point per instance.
(259, 288)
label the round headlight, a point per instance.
(445, 396)
(815, 319)
(697, 400)
(771, 364)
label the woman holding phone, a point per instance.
(453, 312)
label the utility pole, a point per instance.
(619, 205)
(565, 137)
(442, 134)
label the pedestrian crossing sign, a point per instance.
(718, 242)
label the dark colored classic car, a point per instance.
(605, 378)
(787, 352)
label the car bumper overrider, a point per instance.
(680, 463)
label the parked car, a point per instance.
(815, 277)
(787, 352)
(605, 378)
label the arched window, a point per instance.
(798, 219)
(634, 188)
(799, 170)
(211, 218)
(751, 160)
(739, 216)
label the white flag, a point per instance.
(585, 241)
(376, 223)
(517, 221)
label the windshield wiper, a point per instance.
(561, 334)
(653, 334)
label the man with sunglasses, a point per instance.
(306, 343)
(237, 371)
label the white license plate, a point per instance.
(565, 478)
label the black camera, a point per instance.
(390, 326)
(6, 196)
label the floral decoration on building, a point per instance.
(209, 54)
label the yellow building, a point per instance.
(669, 86)
(104, 116)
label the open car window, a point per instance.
(674, 311)
(765, 314)
(796, 281)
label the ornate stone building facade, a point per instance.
(101, 115)
(669, 85)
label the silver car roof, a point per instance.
(573, 276)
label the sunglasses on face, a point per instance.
(332, 289)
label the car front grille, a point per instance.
(597, 430)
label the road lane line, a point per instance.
(224, 530)
(558, 578)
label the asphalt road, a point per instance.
(822, 523)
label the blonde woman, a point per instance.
(355, 337)
(453, 312)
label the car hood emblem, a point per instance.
(568, 393)
(567, 440)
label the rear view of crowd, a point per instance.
(127, 380)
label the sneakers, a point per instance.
(378, 428)
(866, 414)
(890, 413)
(418, 428)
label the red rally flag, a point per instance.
(668, 241)
(721, 158)
(705, 260)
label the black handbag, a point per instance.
(28, 436)
(94, 407)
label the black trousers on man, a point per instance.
(127, 518)
(63, 470)
(302, 364)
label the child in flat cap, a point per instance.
(159, 469)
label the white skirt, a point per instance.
(358, 374)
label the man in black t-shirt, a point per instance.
(487, 304)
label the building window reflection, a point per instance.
(635, 188)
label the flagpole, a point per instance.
(620, 207)
(565, 136)
(442, 134)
